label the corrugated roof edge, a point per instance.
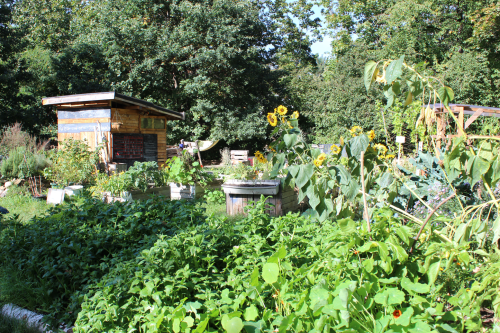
(110, 96)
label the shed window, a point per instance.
(152, 123)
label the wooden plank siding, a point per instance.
(130, 122)
(78, 121)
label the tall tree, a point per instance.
(212, 59)
(216, 60)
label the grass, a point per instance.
(219, 210)
(18, 201)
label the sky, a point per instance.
(320, 48)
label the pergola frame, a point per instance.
(460, 110)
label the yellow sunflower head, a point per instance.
(282, 110)
(289, 124)
(371, 135)
(335, 149)
(272, 119)
(356, 130)
(317, 162)
(260, 157)
(380, 148)
(295, 115)
(322, 157)
(388, 156)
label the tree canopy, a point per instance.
(217, 60)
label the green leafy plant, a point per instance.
(215, 196)
(22, 163)
(73, 162)
(184, 171)
(140, 176)
(62, 254)
(319, 176)
(279, 274)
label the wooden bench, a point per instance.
(239, 156)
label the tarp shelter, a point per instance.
(131, 129)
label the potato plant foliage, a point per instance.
(286, 274)
(73, 247)
(162, 267)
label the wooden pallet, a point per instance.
(239, 156)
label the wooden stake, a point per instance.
(365, 203)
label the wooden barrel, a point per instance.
(284, 201)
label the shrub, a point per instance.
(73, 162)
(13, 137)
(61, 254)
(22, 163)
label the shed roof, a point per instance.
(112, 96)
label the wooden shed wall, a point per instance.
(129, 120)
(79, 124)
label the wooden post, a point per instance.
(440, 129)
(460, 109)
(198, 149)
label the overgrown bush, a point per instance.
(22, 163)
(13, 136)
(24, 156)
(73, 162)
(60, 255)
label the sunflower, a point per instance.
(295, 115)
(289, 124)
(322, 157)
(260, 157)
(317, 163)
(355, 130)
(381, 148)
(388, 156)
(335, 149)
(371, 135)
(272, 119)
(282, 110)
(396, 314)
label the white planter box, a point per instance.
(181, 191)
(73, 190)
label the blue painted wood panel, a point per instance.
(97, 113)
(84, 127)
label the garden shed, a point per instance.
(129, 128)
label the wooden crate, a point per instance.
(283, 202)
(185, 192)
(239, 156)
(173, 151)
